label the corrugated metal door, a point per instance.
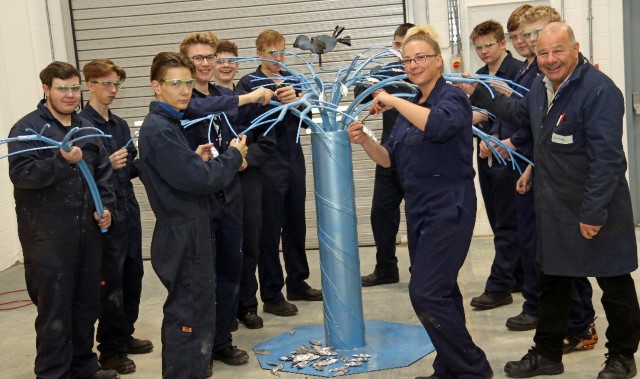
(131, 32)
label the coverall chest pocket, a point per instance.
(566, 136)
(418, 155)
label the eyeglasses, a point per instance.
(201, 58)
(109, 84)
(179, 84)
(227, 60)
(533, 33)
(274, 52)
(513, 37)
(418, 59)
(487, 45)
(73, 89)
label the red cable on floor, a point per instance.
(26, 302)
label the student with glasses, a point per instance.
(581, 334)
(179, 183)
(431, 147)
(387, 190)
(496, 180)
(122, 268)
(583, 206)
(59, 228)
(226, 204)
(260, 149)
(283, 179)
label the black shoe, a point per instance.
(251, 320)
(231, 355)
(533, 364)
(375, 280)
(311, 294)
(119, 362)
(104, 374)
(617, 366)
(136, 346)
(522, 322)
(235, 326)
(490, 300)
(283, 308)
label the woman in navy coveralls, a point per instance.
(431, 147)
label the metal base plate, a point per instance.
(391, 345)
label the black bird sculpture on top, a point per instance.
(322, 44)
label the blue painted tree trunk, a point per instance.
(338, 239)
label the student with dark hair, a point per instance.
(179, 183)
(122, 268)
(496, 180)
(59, 228)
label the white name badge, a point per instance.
(214, 152)
(563, 140)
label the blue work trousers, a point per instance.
(283, 215)
(62, 270)
(122, 273)
(496, 185)
(439, 241)
(385, 220)
(251, 226)
(226, 226)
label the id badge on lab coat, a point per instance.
(562, 140)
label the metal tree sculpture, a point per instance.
(66, 144)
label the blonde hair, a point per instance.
(198, 38)
(267, 38)
(540, 13)
(423, 33)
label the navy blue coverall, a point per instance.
(283, 202)
(226, 206)
(122, 268)
(387, 193)
(497, 187)
(61, 242)
(260, 148)
(580, 177)
(179, 184)
(435, 168)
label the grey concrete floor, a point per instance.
(389, 302)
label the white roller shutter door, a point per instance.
(131, 32)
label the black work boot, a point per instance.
(522, 322)
(231, 355)
(251, 320)
(490, 300)
(533, 364)
(283, 308)
(138, 346)
(375, 279)
(104, 374)
(617, 366)
(119, 362)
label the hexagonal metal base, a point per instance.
(391, 345)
